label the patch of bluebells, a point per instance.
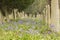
(20, 22)
(33, 23)
(49, 32)
(9, 28)
(52, 25)
(33, 32)
(15, 23)
(28, 23)
(2, 25)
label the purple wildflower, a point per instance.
(10, 28)
(31, 31)
(20, 22)
(51, 25)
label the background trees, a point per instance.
(48, 8)
(7, 6)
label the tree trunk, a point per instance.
(48, 15)
(55, 16)
(1, 19)
(14, 14)
(45, 15)
(6, 14)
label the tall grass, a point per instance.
(26, 30)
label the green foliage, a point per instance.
(37, 7)
(22, 33)
(22, 4)
(10, 35)
(9, 5)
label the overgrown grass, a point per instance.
(11, 35)
(26, 30)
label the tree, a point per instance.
(55, 16)
(7, 6)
